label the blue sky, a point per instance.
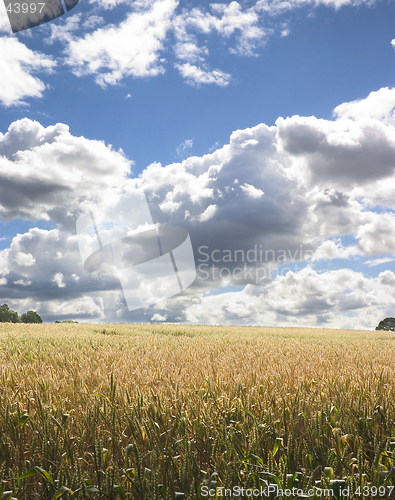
(329, 57)
(224, 115)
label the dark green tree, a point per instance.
(387, 324)
(31, 317)
(7, 315)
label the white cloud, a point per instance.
(58, 288)
(366, 146)
(93, 21)
(378, 262)
(379, 105)
(23, 282)
(226, 20)
(341, 299)
(190, 52)
(330, 250)
(85, 308)
(58, 279)
(158, 317)
(130, 49)
(376, 237)
(277, 189)
(208, 213)
(45, 172)
(17, 63)
(183, 148)
(252, 191)
(197, 76)
(25, 259)
(151, 31)
(110, 4)
(63, 30)
(277, 7)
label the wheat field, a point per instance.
(154, 411)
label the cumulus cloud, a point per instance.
(379, 104)
(58, 279)
(130, 49)
(46, 172)
(366, 146)
(272, 198)
(17, 63)
(376, 237)
(158, 317)
(152, 36)
(329, 250)
(42, 270)
(341, 298)
(24, 259)
(252, 191)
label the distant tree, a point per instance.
(31, 317)
(387, 324)
(66, 321)
(7, 315)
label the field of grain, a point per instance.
(174, 412)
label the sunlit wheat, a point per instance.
(157, 411)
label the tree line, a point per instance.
(7, 315)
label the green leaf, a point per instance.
(22, 420)
(60, 492)
(105, 454)
(45, 474)
(120, 490)
(147, 473)
(29, 473)
(92, 489)
(276, 446)
(249, 457)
